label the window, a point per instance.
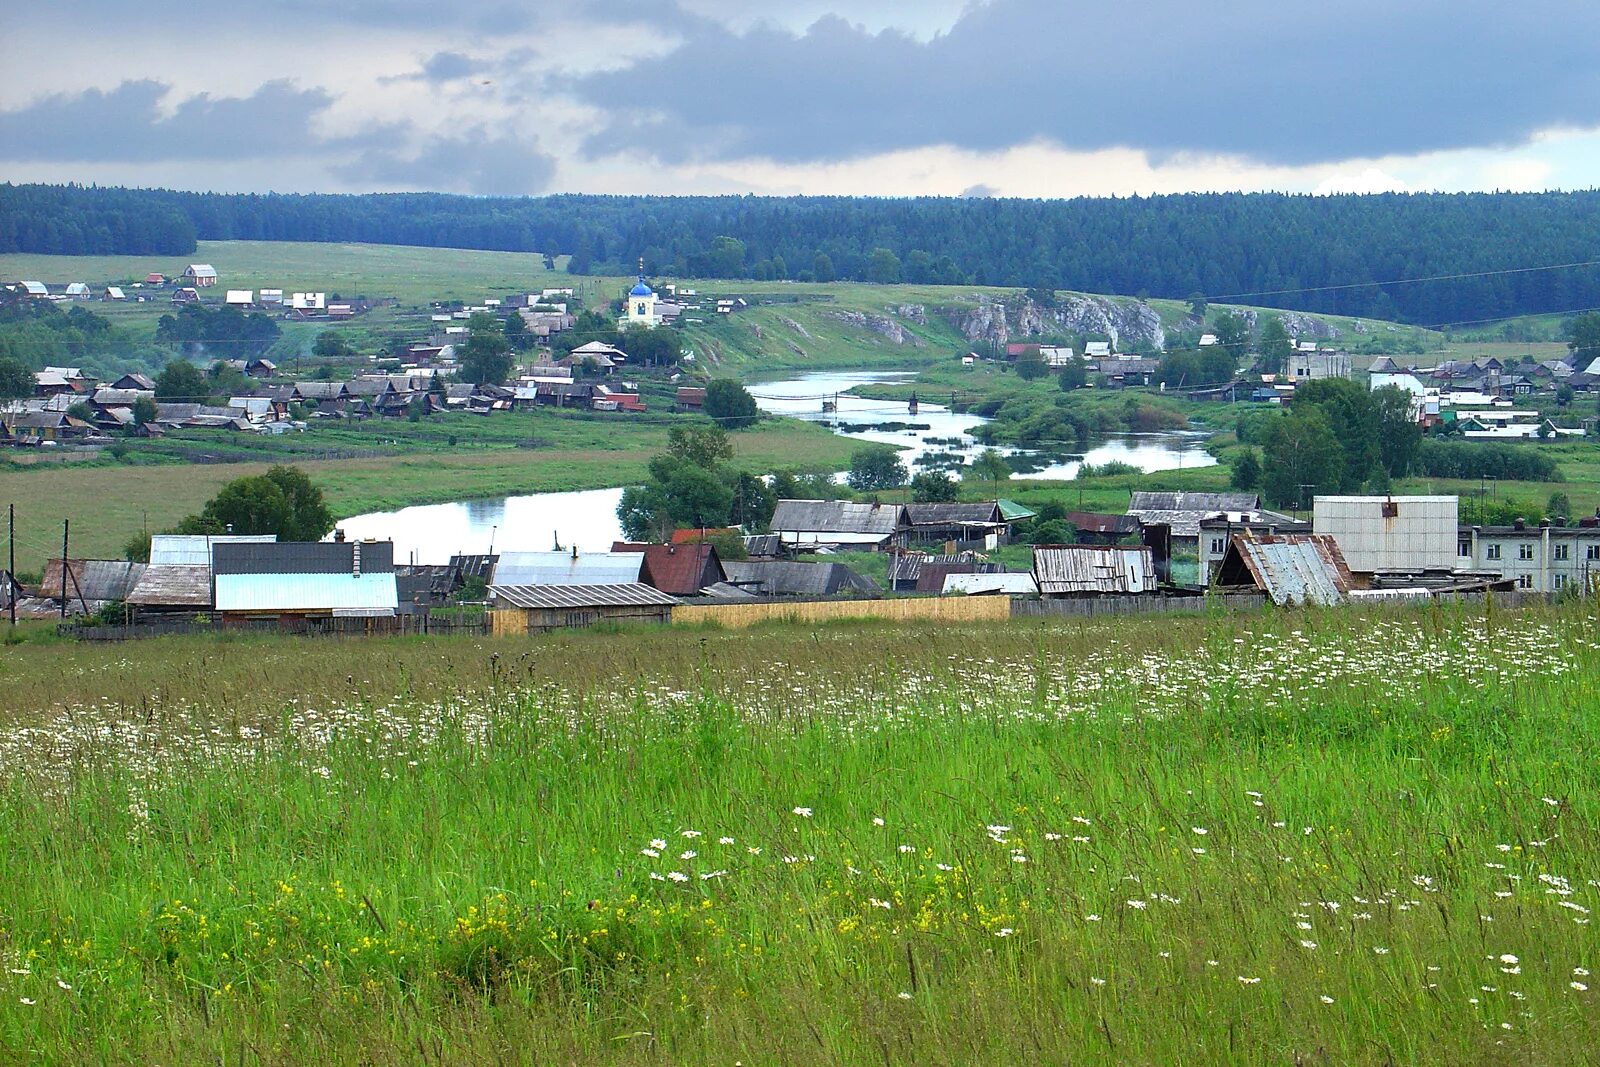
(1218, 546)
(1524, 551)
(1561, 581)
(1463, 549)
(1492, 552)
(1563, 551)
(1592, 552)
(1525, 582)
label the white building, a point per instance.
(642, 310)
(240, 298)
(1390, 533)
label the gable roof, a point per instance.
(568, 568)
(301, 557)
(837, 516)
(1068, 570)
(789, 578)
(1299, 568)
(980, 514)
(681, 570)
(1183, 511)
(91, 579)
(175, 550)
(179, 585)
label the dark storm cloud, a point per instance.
(125, 125)
(1278, 81)
(470, 162)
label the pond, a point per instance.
(432, 533)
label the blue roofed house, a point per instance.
(290, 583)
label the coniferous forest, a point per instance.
(1259, 248)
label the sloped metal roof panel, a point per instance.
(1297, 568)
(182, 585)
(363, 594)
(625, 594)
(194, 550)
(836, 516)
(563, 568)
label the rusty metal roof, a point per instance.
(1289, 568)
(1071, 570)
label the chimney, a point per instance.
(355, 559)
(574, 550)
(1519, 524)
(338, 536)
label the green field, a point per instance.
(1319, 837)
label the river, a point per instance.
(432, 533)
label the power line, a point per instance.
(1409, 281)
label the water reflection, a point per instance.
(934, 438)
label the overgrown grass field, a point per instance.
(1301, 837)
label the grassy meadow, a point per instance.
(1341, 837)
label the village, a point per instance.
(1350, 550)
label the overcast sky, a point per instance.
(1004, 97)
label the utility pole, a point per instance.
(11, 572)
(66, 525)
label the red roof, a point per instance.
(1020, 349)
(681, 570)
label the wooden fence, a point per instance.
(1087, 607)
(921, 609)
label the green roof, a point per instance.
(1011, 511)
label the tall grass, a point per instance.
(1322, 837)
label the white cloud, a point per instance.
(1369, 180)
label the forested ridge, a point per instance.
(1259, 248)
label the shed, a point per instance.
(790, 578)
(180, 587)
(240, 297)
(1288, 568)
(201, 275)
(538, 609)
(1093, 570)
(967, 523)
(114, 292)
(837, 522)
(89, 583)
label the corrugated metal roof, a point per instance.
(1291, 568)
(1103, 525)
(302, 557)
(185, 550)
(952, 514)
(1065, 570)
(91, 579)
(617, 595)
(836, 516)
(1183, 511)
(364, 594)
(1012, 584)
(1011, 511)
(184, 585)
(791, 578)
(564, 568)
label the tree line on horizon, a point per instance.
(1326, 254)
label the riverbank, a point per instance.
(110, 502)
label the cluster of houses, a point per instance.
(186, 288)
(1479, 397)
(1352, 549)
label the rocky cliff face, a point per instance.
(882, 325)
(1300, 326)
(1127, 323)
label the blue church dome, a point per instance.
(641, 290)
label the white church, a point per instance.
(642, 304)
